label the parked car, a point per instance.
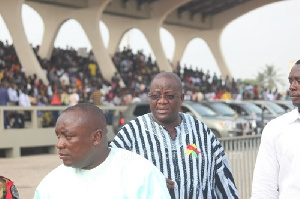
(250, 111)
(287, 105)
(225, 110)
(269, 107)
(221, 126)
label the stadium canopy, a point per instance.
(184, 19)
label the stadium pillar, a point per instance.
(212, 38)
(53, 18)
(50, 33)
(151, 28)
(182, 37)
(11, 12)
(90, 19)
(117, 27)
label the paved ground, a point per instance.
(28, 171)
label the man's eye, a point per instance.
(68, 137)
(169, 97)
(292, 80)
(154, 97)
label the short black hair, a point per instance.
(298, 62)
(90, 112)
(169, 75)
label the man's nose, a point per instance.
(60, 143)
(293, 85)
(162, 99)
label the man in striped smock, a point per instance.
(182, 147)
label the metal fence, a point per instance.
(241, 153)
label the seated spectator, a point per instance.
(226, 95)
(73, 98)
(64, 97)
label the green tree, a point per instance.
(269, 78)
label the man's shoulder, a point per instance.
(192, 118)
(278, 125)
(286, 118)
(55, 174)
(130, 159)
(146, 116)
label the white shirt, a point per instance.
(24, 100)
(65, 79)
(122, 175)
(13, 95)
(277, 169)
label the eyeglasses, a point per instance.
(168, 97)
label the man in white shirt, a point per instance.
(24, 99)
(13, 94)
(91, 169)
(277, 173)
(73, 98)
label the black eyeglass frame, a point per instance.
(168, 97)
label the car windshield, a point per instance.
(277, 109)
(252, 108)
(203, 110)
(223, 109)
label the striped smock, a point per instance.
(194, 159)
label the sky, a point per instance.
(269, 35)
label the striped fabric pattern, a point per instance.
(206, 175)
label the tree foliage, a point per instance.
(269, 78)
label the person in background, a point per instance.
(183, 148)
(13, 94)
(73, 98)
(64, 97)
(55, 101)
(276, 172)
(4, 98)
(91, 169)
(97, 96)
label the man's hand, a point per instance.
(170, 184)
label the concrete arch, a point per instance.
(104, 33)
(89, 19)
(168, 44)
(142, 41)
(117, 27)
(5, 30)
(150, 27)
(11, 13)
(66, 36)
(203, 53)
(34, 20)
(90, 16)
(212, 36)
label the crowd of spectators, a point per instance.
(75, 78)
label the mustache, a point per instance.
(294, 95)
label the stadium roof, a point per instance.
(194, 14)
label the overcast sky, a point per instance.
(269, 35)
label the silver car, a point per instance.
(221, 126)
(269, 107)
(287, 105)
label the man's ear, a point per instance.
(182, 97)
(97, 136)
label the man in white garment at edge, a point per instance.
(92, 170)
(277, 168)
(165, 136)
